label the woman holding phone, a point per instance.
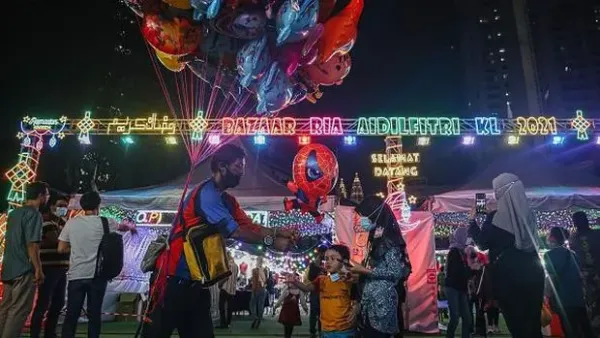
(510, 234)
(385, 265)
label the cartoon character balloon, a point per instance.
(171, 62)
(315, 173)
(340, 31)
(275, 91)
(175, 37)
(206, 9)
(295, 19)
(253, 60)
(331, 72)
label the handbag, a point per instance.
(154, 250)
(204, 249)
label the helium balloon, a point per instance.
(275, 91)
(181, 4)
(340, 31)
(331, 72)
(325, 9)
(315, 170)
(171, 62)
(136, 7)
(174, 37)
(249, 25)
(312, 38)
(206, 8)
(253, 60)
(299, 93)
(295, 19)
(289, 57)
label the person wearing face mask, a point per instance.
(51, 294)
(510, 234)
(178, 302)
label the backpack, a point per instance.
(109, 261)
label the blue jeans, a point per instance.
(51, 298)
(257, 303)
(458, 304)
(78, 290)
(338, 334)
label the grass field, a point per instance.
(240, 328)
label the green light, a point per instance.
(408, 126)
(127, 140)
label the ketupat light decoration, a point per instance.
(85, 126)
(198, 126)
(19, 176)
(396, 197)
(581, 125)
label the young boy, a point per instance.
(336, 295)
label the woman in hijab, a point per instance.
(457, 279)
(386, 264)
(510, 235)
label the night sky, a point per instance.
(65, 57)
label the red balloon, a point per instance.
(340, 31)
(315, 170)
(175, 37)
(325, 9)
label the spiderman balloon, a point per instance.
(315, 173)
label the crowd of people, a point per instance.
(512, 279)
(45, 252)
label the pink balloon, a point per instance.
(313, 37)
(289, 57)
(310, 58)
(331, 72)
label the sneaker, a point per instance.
(490, 329)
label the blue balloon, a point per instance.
(206, 8)
(253, 60)
(275, 91)
(295, 19)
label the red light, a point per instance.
(303, 140)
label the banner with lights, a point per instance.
(384, 165)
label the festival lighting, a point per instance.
(408, 126)
(260, 140)
(512, 140)
(85, 126)
(423, 141)
(536, 125)
(468, 140)
(581, 125)
(350, 140)
(198, 126)
(412, 200)
(558, 140)
(127, 140)
(598, 140)
(304, 140)
(214, 139)
(171, 140)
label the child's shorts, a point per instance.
(338, 334)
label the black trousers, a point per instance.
(493, 315)
(225, 308)
(288, 330)
(185, 307)
(51, 298)
(400, 314)
(575, 322)
(315, 312)
(78, 290)
(518, 280)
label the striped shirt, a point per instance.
(49, 247)
(230, 284)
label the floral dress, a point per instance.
(379, 301)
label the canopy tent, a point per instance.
(262, 188)
(550, 186)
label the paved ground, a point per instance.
(240, 328)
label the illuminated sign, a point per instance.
(486, 126)
(536, 125)
(155, 217)
(326, 126)
(258, 125)
(408, 126)
(395, 165)
(142, 125)
(581, 125)
(395, 158)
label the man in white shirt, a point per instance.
(228, 289)
(81, 236)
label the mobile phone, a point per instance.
(480, 203)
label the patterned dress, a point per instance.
(379, 301)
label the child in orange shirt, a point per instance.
(336, 295)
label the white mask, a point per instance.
(61, 212)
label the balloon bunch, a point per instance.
(315, 172)
(281, 50)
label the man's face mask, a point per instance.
(61, 212)
(230, 179)
(366, 224)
